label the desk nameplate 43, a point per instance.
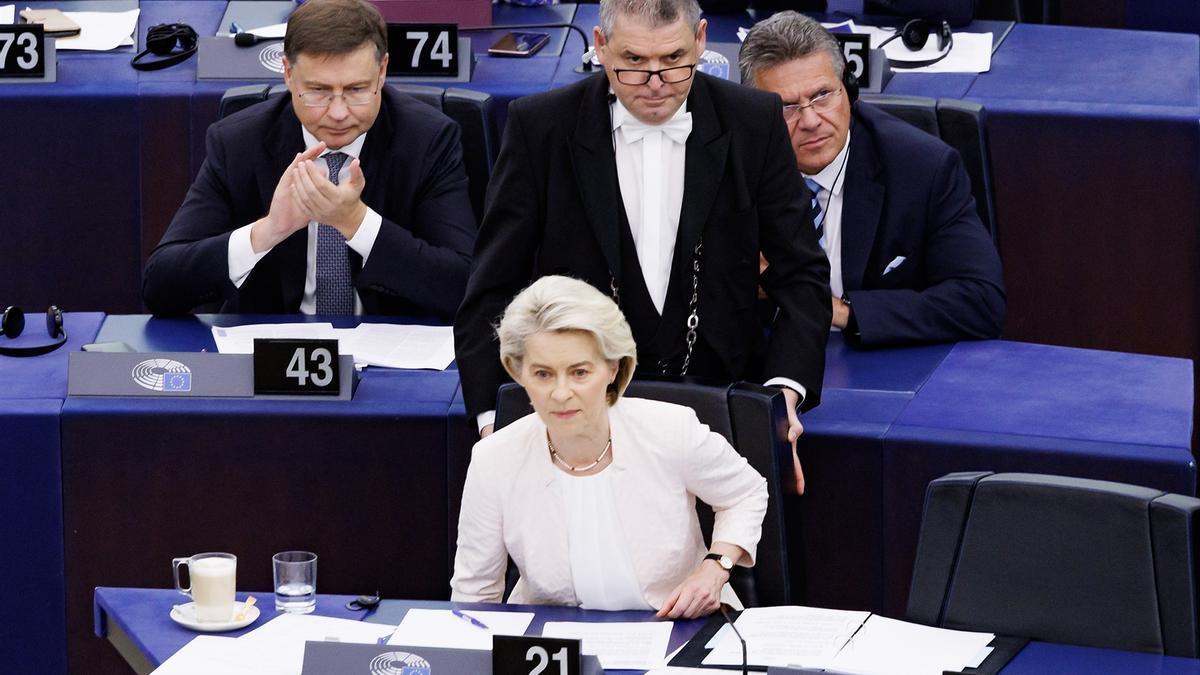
(180, 375)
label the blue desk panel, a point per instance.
(31, 572)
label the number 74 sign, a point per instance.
(429, 49)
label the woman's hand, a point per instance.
(698, 595)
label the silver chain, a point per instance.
(693, 320)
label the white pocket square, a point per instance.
(894, 264)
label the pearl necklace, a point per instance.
(573, 469)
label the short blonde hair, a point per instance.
(556, 304)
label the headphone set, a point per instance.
(13, 322)
(915, 34)
(162, 40)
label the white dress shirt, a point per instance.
(831, 179)
(650, 167)
(242, 257)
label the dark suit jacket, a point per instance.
(554, 207)
(907, 194)
(412, 162)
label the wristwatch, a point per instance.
(724, 561)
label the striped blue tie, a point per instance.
(818, 214)
(335, 292)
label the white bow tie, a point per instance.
(677, 128)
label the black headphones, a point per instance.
(850, 82)
(915, 34)
(161, 40)
(13, 322)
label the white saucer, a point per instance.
(185, 615)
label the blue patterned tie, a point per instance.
(818, 214)
(335, 292)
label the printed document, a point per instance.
(619, 646)
(787, 636)
(441, 628)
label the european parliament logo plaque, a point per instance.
(211, 375)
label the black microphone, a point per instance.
(745, 661)
(248, 39)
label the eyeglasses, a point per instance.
(354, 96)
(821, 103)
(673, 75)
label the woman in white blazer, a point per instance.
(593, 495)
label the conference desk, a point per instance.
(135, 622)
(382, 474)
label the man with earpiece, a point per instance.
(910, 261)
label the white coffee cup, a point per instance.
(213, 581)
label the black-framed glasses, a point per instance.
(354, 96)
(672, 75)
(821, 103)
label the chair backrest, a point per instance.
(1068, 560)
(963, 126)
(919, 111)
(754, 420)
(472, 110)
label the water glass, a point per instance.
(295, 581)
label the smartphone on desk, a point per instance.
(519, 44)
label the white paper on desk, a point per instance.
(372, 344)
(440, 628)
(271, 32)
(8, 13)
(207, 654)
(281, 640)
(240, 339)
(100, 31)
(638, 645)
(783, 636)
(888, 646)
(402, 346)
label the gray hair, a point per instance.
(784, 37)
(653, 12)
(556, 304)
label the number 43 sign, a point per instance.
(283, 367)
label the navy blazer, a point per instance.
(415, 180)
(554, 207)
(907, 194)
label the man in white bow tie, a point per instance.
(658, 185)
(910, 260)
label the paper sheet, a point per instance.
(900, 648)
(100, 31)
(782, 636)
(972, 52)
(207, 654)
(280, 642)
(628, 646)
(372, 344)
(441, 628)
(8, 13)
(273, 31)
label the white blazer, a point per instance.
(663, 459)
